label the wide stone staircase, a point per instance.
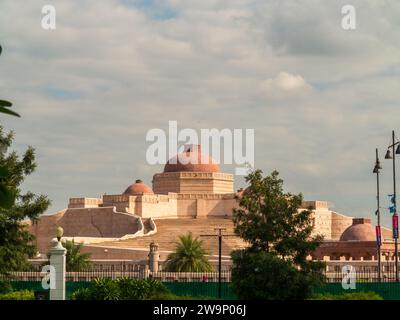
(168, 231)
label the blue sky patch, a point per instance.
(154, 9)
(59, 93)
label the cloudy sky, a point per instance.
(320, 98)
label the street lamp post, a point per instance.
(395, 216)
(219, 235)
(378, 213)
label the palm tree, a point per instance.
(189, 256)
(75, 260)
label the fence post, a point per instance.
(144, 271)
(154, 257)
(57, 260)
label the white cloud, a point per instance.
(319, 98)
(285, 84)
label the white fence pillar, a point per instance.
(58, 261)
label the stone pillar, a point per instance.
(57, 260)
(154, 257)
(144, 271)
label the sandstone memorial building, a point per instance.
(185, 197)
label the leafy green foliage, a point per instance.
(172, 296)
(269, 219)
(258, 275)
(5, 105)
(15, 240)
(280, 238)
(5, 286)
(81, 294)
(122, 289)
(106, 289)
(348, 296)
(75, 259)
(133, 289)
(18, 295)
(4, 108)
(7, 195)
(189, 256)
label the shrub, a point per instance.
(18, 295)
(122, 289)
(134, 289)
(173, 296)
(81, 294)
(258, 275)
(5, 286)
(348, 296)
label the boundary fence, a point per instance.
(195, 284)
(199, 284)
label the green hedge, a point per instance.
(387, 290)
(348, 296)
(122, 289)
(18, 295)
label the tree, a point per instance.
(5, 108)
(280, 239)
(15, 240)
(5, 105)
(189, 256)
(75, 259)
(258, 275)
(7, 196)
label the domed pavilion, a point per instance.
(192, 172)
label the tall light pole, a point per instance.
(219, 235)
(378, 213)
(395, 218)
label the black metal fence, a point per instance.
(362, 272)
(162, 276)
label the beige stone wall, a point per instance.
(387, 234)
(158, 206)
(202, 205)
(84, 202)
(126, 203)
(340, 223)
(192, 182)
(322, 222)
(104, 252)
(120, 201)
(187, 208)
(315, 205)
(85, 222)
(327, 223)
(45, 229)
(223, 185)
(217, 207)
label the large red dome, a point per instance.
(360, 230)
(137, 188)
(192, 160)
